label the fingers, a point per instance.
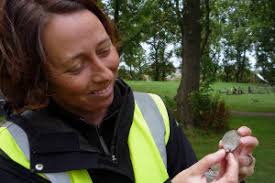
(232, 170)
(247, 144)
(220, 144)
(233, 165)
(247, 171)
(249, 141)
(223, 164)
(244, 131)
(205, 163)
(246, 168)
(245, 160)
(197, 172)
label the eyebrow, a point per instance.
(104, 41)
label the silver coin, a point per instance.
(231, 140)
(212, 173)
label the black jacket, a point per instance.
(66, 142)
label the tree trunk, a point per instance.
(207, 30)
(157, 65)
(191, 58)
(242, 68)
(116, 13)
(226, 75)
(238, 63)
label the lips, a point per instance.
(103, 92)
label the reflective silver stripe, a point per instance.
(61, 177)
(154, 120)
(20, 137)
(22, 141)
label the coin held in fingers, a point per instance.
(231, 140)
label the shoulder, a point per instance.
(15, 173)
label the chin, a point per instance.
(102, 104)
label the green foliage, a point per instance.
(239, 29)
(232, 30)
(209, 69)
(263, 28)
(139, 22)
(210, 112)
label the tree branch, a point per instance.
(207, 27)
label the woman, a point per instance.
(74, 120)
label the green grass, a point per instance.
(224, 85)
(246, 102)
(263, 128)
(251, 102)
(166, 88)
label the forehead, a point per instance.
(66, 34)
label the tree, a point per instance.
(161, 65)
(135, 21)
(191, 60)
(210, 49)
(161, 36)
(263, 28)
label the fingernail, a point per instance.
(230, 156)
(221, 151)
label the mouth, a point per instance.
(103, 92)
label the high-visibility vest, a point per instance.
(147, 141)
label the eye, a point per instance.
(76, 69)
(104, 52)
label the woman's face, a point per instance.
(83, 62)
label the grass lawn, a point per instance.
(263, 128)
(246, 102)
(251, 102)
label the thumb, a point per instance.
(232, 169)
(205, 163)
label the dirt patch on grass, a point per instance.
(241, 113)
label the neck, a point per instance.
(95, 118)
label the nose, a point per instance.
(100, 71)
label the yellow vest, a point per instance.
(147, 141)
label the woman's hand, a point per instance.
(244, 152)
(196, 173)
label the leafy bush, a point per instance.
(170, 103)
(210, 112)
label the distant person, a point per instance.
(234, 90)
(249, 89)
(240, 91)
(74, 121)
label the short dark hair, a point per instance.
(23, 77)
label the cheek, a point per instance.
(71, 85)
(114, 62)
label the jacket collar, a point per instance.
(60, 147)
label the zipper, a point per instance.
(102, 142)
(103, 145)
